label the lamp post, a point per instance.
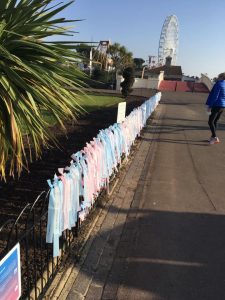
(143, 71)
(90, 65)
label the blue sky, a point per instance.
(137, 25)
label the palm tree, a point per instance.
(35, 74)
(120, 56)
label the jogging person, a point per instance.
(216, 105)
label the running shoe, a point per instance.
(214, 140)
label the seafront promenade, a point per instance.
(161, 234)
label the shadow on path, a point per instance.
(178, 256)
(203, 143)
(161, 255)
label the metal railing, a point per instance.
(38, 266)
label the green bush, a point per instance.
(128, 75)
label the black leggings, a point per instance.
(216, 112)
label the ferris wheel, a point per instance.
(168, 42)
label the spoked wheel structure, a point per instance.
(168, 42)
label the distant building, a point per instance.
(170, 72)
(189, 78)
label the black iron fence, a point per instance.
(38, 266)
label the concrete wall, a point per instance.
(161, 77)
(119, 79)
(142, 83)
(150, 83)
(206, 80)
(143, 92)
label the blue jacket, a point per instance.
(217, 95)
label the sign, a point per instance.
(121, 113)
(10, 275)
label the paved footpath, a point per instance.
(161, 236)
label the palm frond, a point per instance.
(34, 76)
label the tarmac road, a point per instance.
(162, 236)
(179, 249)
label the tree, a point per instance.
(35, 76)
(138, 62)
(128, 75)
(84, 52)
(120, 56)
(99, 59)
(97, 73)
